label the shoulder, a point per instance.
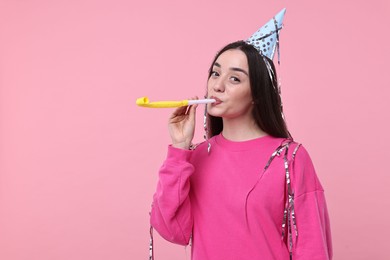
(303, 170)
(296, 151)
(299, 152)
(289, 147)
(301, 156)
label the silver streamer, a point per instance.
(151, 255)
(295, 150)
(289, 221)
(289, 211)
(206, 130)
(277, 38)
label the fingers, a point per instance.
(185, 111)
(192, 109)
(194, 98)
(182, 125)
(179, 111)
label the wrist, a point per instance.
(181, 145)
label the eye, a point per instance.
(214, 74)
(235, 79)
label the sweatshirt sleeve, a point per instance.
(312, 219)
(171, 209)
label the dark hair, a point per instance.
(267, 110)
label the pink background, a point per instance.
(79, 160)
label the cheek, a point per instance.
(243, 96)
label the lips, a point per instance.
(217, 100)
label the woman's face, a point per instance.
(229, 84)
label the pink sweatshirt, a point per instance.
(233, 209)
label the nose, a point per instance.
(218, 85)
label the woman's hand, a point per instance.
(181, 126)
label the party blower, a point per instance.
(144, 102)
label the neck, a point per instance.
(241, 129)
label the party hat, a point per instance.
(266, 39)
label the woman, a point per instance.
(255, 194)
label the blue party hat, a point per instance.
(266, 39)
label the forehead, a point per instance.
(233, 59)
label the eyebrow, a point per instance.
(233, 68)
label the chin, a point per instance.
(213, 113)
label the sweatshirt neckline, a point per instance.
(242, 145)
